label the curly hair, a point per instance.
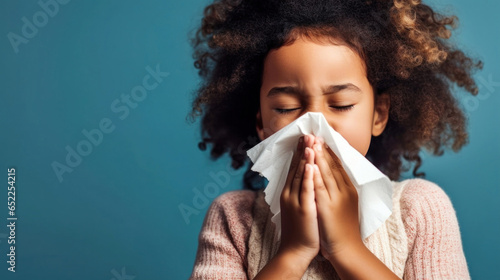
(406, 50)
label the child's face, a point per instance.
(330, 79)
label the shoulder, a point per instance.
(434, 241)
(234, 202)
(421, 193)
(426, 209)
(231, 212)
(222, 242)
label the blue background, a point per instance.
(117, 212)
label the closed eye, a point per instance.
(343, 108)
(338, 108)
(285, 111)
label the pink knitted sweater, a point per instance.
(428, 218)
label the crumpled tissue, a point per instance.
(272, 157)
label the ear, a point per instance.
(381, 113)
(259, 125)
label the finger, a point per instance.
(297, 155)
(310, 157)
(320, 140)
(335, 165)
(325, 170)
(322, 196)
(299, 175)
(307, 190)
(307, 140)
(338, 170)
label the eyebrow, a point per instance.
(296, 91)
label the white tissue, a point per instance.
(272, 158)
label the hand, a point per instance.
(336, 202)
(299, 221)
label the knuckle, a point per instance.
(303, 211)
(283, 197)
(351, 194)
(294, 164)
(354, 193)
(305, 188)
(295, 160)
(329, 172)
(320, 186)
(334, 160)
(335, 163)
(297, 176)
(298, 172)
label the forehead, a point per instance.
(305, 58)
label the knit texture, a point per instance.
(421, 239)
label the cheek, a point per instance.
(272, 123)
(358, 138)
(357, 132)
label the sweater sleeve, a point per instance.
(222, 240)
(434, 242)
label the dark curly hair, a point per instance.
(404, 44)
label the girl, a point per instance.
(380, 72)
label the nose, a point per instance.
(316, 107)
(320, 106)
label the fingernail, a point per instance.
(306, 153)
(306, 138)
(318, 147)
(316, 167)
(301, 139)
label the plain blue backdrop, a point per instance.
(116, 214)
